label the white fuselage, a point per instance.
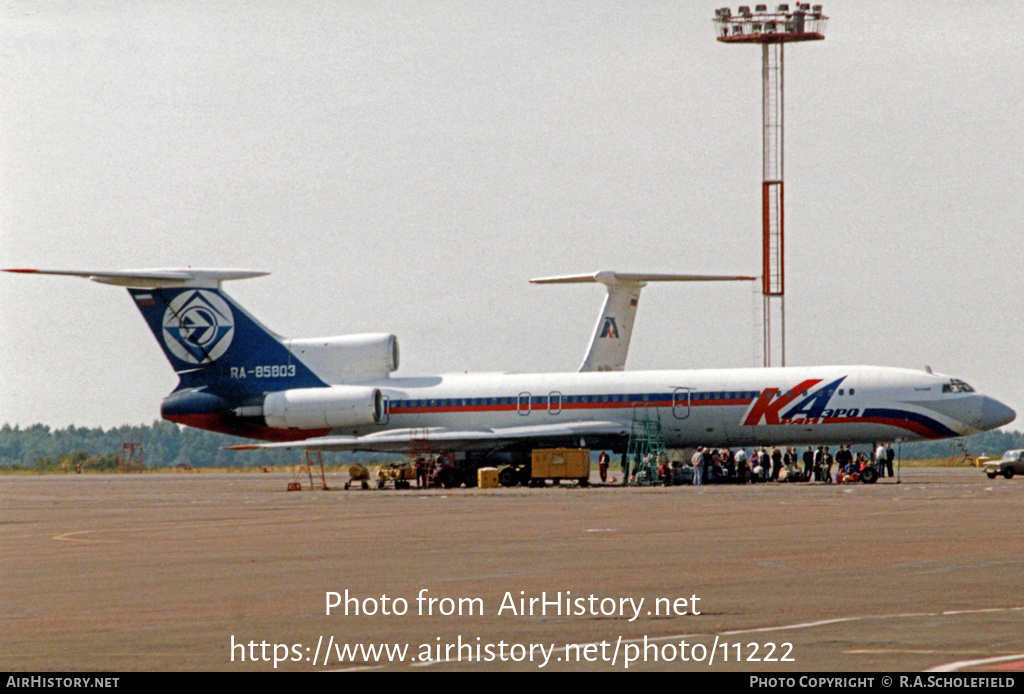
(832, 404)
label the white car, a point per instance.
(1009, 465)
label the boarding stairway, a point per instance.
(646, 446)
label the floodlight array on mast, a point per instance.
(804, 22)
(772, 29)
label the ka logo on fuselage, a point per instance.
(198, 326)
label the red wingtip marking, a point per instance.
(242, 447)
(21, 270)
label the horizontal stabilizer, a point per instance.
(611, 277)
(155, 279)
(609, 344)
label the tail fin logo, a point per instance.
(609, 329)
(198, 327)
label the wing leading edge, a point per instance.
(441, 438)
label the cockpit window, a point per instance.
(955, 385)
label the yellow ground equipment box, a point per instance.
(560, 464)
(487, 477)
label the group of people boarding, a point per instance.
(777, 464)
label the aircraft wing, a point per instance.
(444, 439)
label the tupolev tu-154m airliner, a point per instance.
(338, 393)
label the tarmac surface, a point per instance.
(195, 572)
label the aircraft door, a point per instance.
(523, 404)
(385, 410)
(554, 402)
(681, 402)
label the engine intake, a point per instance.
(348, 358)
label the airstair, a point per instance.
(646, 446)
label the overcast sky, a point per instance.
(408, 166)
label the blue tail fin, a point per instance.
(225, 358)
(212, 343)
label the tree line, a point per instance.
(166, 444)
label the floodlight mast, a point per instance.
(772, 30)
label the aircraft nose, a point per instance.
(995, 414)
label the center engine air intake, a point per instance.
(319, 408)
(348, 358)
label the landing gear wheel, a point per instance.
(523, 476)
(507, 477)
(869, 475)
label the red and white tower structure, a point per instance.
(772, 29)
